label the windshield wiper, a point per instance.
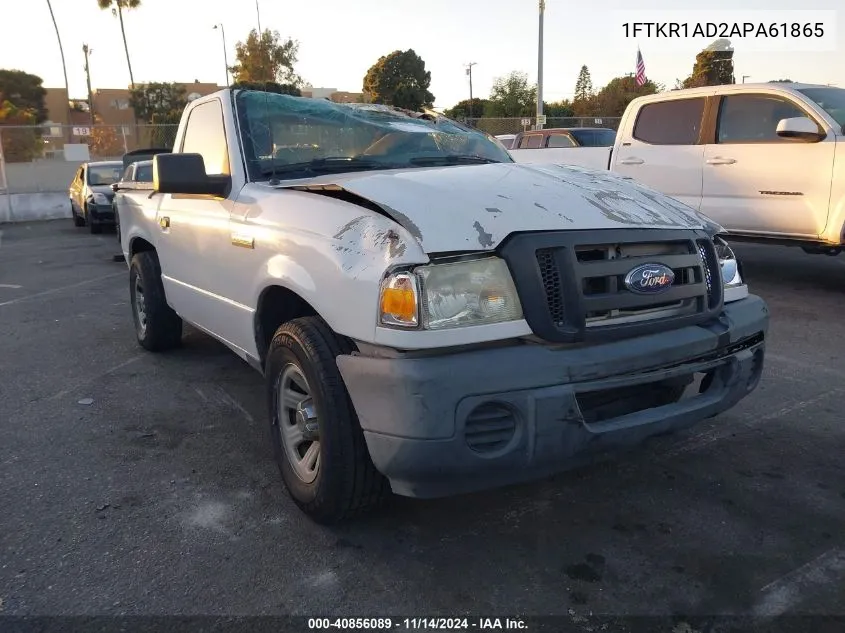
(451, 159)
(327, 165)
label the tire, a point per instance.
(344, 482)
(78, 221)
(157, 327)
(92, 226)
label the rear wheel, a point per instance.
(317, 440)
(157, 326)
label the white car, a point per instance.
(765, 161)
(430, 317)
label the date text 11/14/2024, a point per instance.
(417, 624)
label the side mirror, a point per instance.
(185, 174)
(115, 186)
(801, 128)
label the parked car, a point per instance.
(565, 137)
(766, 161)
(91, 194)
(506, 140)
(430, 317)
(137, 173)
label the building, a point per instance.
(332, 94)
(111, 105)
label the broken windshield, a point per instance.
(296, 137)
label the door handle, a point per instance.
(631, 161)
(164, 222)
(718, 160)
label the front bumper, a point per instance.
(101, 213)
(449, 424)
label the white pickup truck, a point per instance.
(430, 317)
(765, 161)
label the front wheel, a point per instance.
(157, 326)
(77, 219)
(317, 440)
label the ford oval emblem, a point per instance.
(649, 279)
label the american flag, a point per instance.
(640, 69)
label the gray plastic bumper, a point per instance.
(443, 425)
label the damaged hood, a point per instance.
(475, 207)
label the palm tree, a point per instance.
(117, 7)
(62, 52)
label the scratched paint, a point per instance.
(502, 198)
(484, 238)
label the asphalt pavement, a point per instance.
(142, 484)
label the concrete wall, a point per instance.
(25, 207)
(51, 176)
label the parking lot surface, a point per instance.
(133, 483)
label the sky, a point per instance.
(173, 40)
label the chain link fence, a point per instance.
(44, 158)
(514, 125)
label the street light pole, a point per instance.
(225, 54)
(540, 66)
(744, 77)
(469, 73)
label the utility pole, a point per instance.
(258, 15)
(469, 73)
(540, 67)
(225, 55)
(87, 52)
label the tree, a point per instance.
(117, 7)
(270, 86)
(711, 68)
(400, 80)
(266, 59)
(512, 96)
(612, 100)
(25, 91)
(558, 109)
(105, 141)
(19, 145)
(583, 92)
(461, 109)
(781, 81)
(158, 102)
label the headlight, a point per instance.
(734, 286)
(475, 292)
(100, 198)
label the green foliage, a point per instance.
(399, 79)
(19, 145)
(269, 86)
(461, 109)
(583, 92)
(267, 58)
(25, 91)
(711, 68)
(612, 100)
(512, 96)
(114, 4)
(558, 109)
(158, 102)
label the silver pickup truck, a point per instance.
(430, 317)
